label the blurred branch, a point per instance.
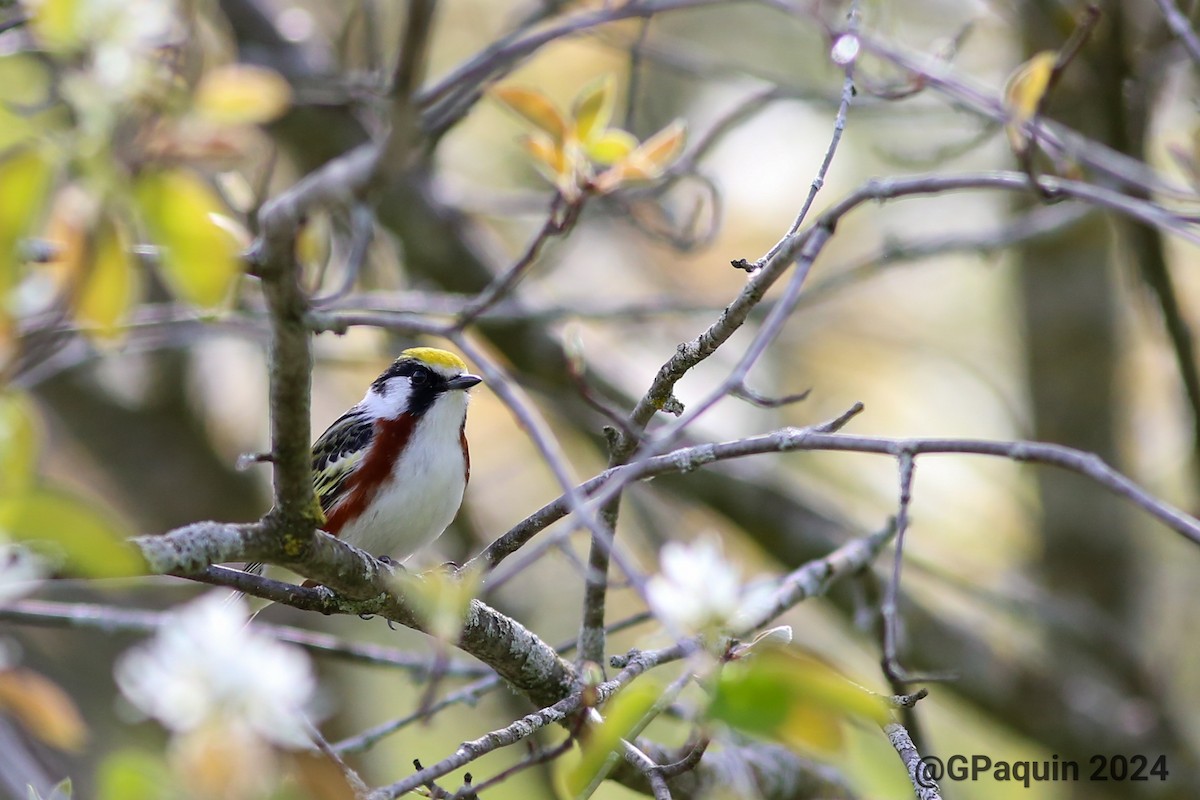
(362, 231)
(1179, 25)
(1062, 142)
(561, 219)
(1031, 225)
(111, 619)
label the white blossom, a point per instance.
(698, 591)
(205, 667)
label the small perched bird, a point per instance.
(390, 473)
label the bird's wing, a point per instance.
(338, 453)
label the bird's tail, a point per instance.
(252, 568)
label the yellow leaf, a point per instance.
(111, 285)
(660, 151)
(626, 171)
(536, 108)
(549, 159)
(200, 256)
(648, 161)
(242, 94)
(43, 708)
(592, 110)
(60, 525)
(25, 178)
(624, 715)
(1024, 91)
(19, 441)
(314, 241)
(610, 147)
(26, 101)
(56, 24)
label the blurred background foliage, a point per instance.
(1068, 619)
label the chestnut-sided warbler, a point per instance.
(390, 473)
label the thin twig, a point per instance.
(896, 674)
(1179, 25)
(918, 771)
(538, 756)
(467, 694)
(362, 231)
(356, 782)
(689, 458)
(527, 725)
(633, 86)
(804, 247)
(688, 762)
(649, 768)
(839, 125)
(560, 220)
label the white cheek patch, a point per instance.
(387, 405)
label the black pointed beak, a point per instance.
(463, 382)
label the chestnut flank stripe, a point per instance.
(390, 437)
(462, 437)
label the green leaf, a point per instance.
(200, 254)
(88, 540)
(25, 177)
(623, 717)
(133, 775)
(791, 697)
(27, 105)
(19, 441)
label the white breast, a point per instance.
(420, 499)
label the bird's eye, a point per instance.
(420, 377)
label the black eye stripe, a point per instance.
(425, 384)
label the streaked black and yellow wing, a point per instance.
(338, 453)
